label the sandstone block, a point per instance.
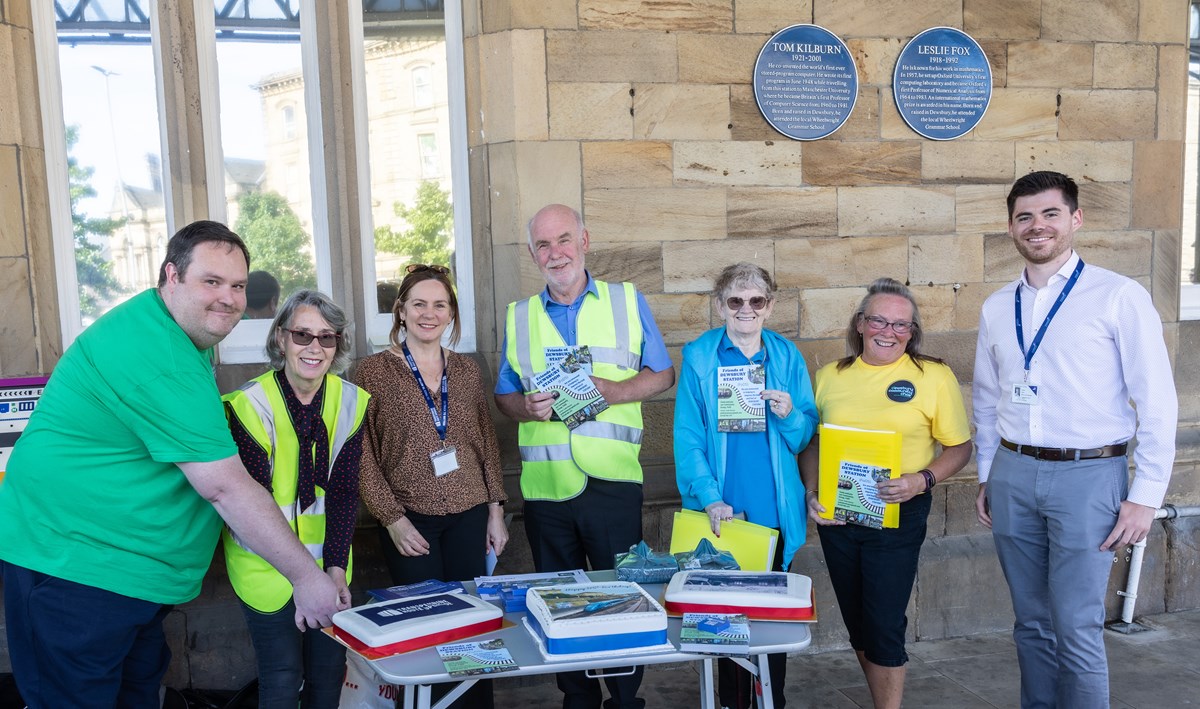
(521, 183)
(785, 316)
(836, 263)
(1183, 537)
(680, 317)
(996, 51)
(1164, 284)
(770, 163)
(41, 258)
(1172, 92)
(590, 111)
(957, 348)
(945, 258)
(655, 214)
(1016, 19)
(895, 210)
(10, 115)
(1125, 66)
(1020, 114)
(966, 161)
(718, 58)
(1090, 20)
(891, 125)
(528, 14)
(1105, 205)
(1107, 114)
(1001, 262)
(12, 226)
(747, 121)
(1162, 23)
(692, 266)
(830, 162)
(611, 56)
(952, 568)
(18, 341)
(1127, 252)
(818, 353)
(885, 18)
(640, 264)
(981, 208)
(514, 100)
(782, 213)
(1050, 64)
(626, 164)
(18, 13)
(824, 312)
(1095, 161)
(768, 16)
(875, 58)
(1158, 184)
(666, 16)
(681, 112)
(937, 305)
(864, 121)
(969, 302)
(26, 84)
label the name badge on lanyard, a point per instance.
(445, 460)
(1023, 392)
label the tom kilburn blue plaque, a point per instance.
(805, 82)
(942, 83)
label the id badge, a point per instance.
(445, 461)
(1024, 394)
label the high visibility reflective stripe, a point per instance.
(610, 431)
(620, 311)
(524, 356)
(316, 508)
(546, 454)
(616, 357)
(345, 422)
(257, 396)
(317, 550)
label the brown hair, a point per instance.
(416, 274)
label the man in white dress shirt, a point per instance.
(1055, 394)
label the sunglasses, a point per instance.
(735, 303)
(900, 327)
(418, 267)
(305, 338)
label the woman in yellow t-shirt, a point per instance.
(885, 383)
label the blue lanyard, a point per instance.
(440, 421)
(1037, 339)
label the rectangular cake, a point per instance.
(592, 617)
(413, 623)
(761, 595)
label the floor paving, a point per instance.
(1157, 668)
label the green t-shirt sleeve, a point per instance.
(179, 418)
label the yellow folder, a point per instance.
(753, 545)
(848, 455)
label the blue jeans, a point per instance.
(1048, 521)
(294, 668)
(77, 647)
(872, 572)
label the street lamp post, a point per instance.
(131, 278)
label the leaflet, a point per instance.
(477, 658)
(740, 406)
(852, 462)
(578, 398)
(715, 634)
(570, 358)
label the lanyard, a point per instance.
(442, 420)
(1037, 339)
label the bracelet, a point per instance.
(810, 492)
(930, 481)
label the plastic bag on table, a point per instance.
(706, 556)
(641, 564)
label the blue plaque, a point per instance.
(805, 82)
(942, 83)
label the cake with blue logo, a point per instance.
(760, 595)
(413, 623)
(595, 617)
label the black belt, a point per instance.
(1060, 454)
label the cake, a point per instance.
(760, 595)
(413, 623)
(594, 617)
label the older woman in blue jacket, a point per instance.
(746, 469)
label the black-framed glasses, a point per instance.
(304, 338)
(417, 267)
(735, 303)
(900, 327)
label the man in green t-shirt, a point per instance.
(115, 493)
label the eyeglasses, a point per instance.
(305, 338)
(735, 303)
(900, 327)
(415, 267)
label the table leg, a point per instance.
(764, 680)
(410, 692)
(424, 693)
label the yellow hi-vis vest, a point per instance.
(556, 461)
(260, 407)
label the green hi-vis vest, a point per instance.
(556, 461)
(260, 408)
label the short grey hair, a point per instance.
(329, 310)
(744, 275)
(579, 227)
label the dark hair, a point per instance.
(406, 286)
(180, 247)
(1039, 182)
(261, 289)
(745, 275)
(854, 338)
(329, 310)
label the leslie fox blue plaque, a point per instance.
(942, 83)
(805, 82)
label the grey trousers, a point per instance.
(1048, 521)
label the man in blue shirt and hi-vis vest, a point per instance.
(582, 487)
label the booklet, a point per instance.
(852, 462)
(421, 588)
(571, 358)
(740, 406)
(477, 658)
(578, 398)
(715, 634)
(511, 589)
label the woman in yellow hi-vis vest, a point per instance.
(298, 429)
